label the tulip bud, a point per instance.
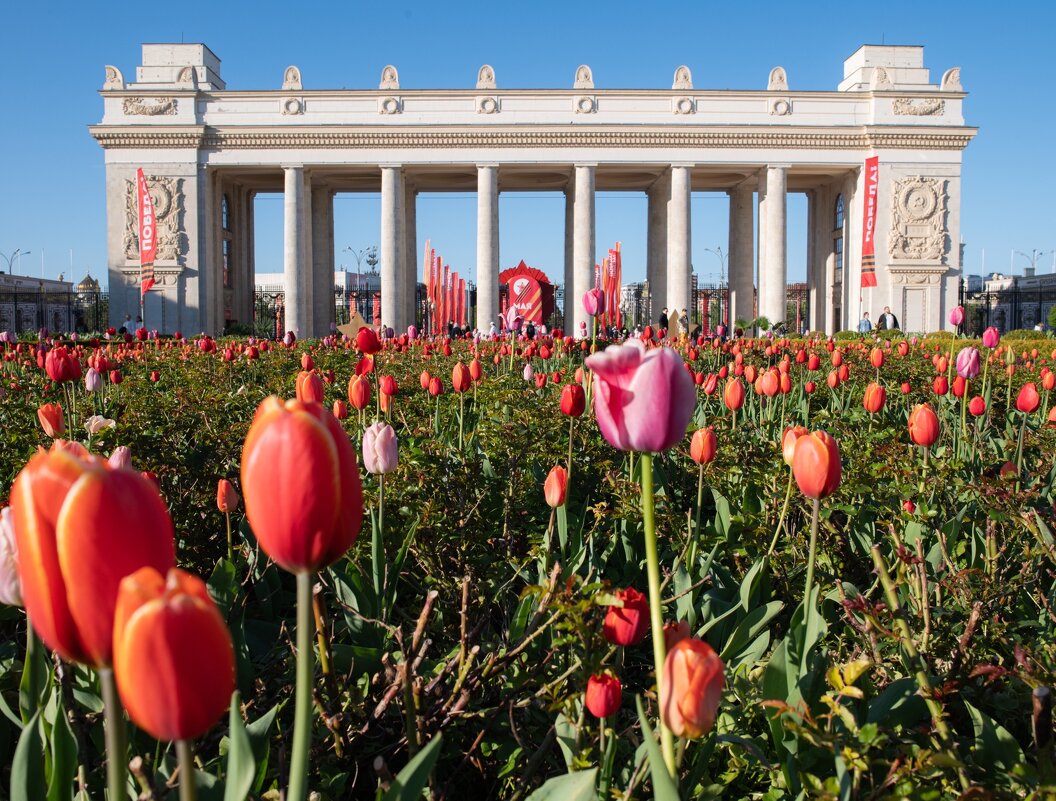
(309, 387)
(691, 688)
(703, 445)
(991, 337)
(424, 379)
(573, 400)
(923, 426)
(93, 381)
(733, 394)
(340, 409)
(555, 488)
(909, 506)
(121, 457)
(876, 357)
(387, 385)
(52, 419)
(968, 362)
(379, 449)
(603, 696)
(627, 625)
(359, 392)
(436, 387)
(1028, 399)
(977, 406)
(227, 498)
(593, 302)
(957, 316)
(816, 465)
(10, 583)
(460, 378)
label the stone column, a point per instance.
(570, 205)
(742, 255)
(251, 267)
(322, 273)
(293, 250)
(582, 245)
(410, 228)
(656, 247)
(391, 256)
(775, 268)
(487, 246)
(679, 259)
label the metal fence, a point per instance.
(24, 312)
(1008, 309)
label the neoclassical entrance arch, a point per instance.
(207, 150)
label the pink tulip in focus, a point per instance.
(643, 399)
(379, 449)
(968, 362)
(991, 336)
(957, 315)
(593, 302)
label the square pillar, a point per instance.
(583, 247)
(742, 255)
(679, 261)
(293, 249)
(392, 252)
(656, 258)
(487, 247)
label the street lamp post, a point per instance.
(718, 251)
(18, 254)
(1034, 256)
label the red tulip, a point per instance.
(573, 400)
(82, 525)
(227, 499)
(51, 419)
(906, 388)
(555, 488)
(436, 387)
(809, 387)
(977, 406)
(816, 465)
(876, 357)
(460, 378)
(173, 658)
(813, 363)
(307, 365)
(627, 625)
(358, 392)
(424, 378)
(604, 695)
(703, 446)
(733, 394)
(301, 484)
(923, 425)
(1028, 400)
(309, 387)
(115, 377)
(788, 442)
(875, 395)
(941, 385)
(691, 688)
(367, 341)
(476, 372)
(387, 385)
(340, 409)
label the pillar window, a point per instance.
(837, 236)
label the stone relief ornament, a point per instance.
(389, 105)
(486, 77)
(187, 78)
(881, 80)
(584, 104)
(390, 79)
(114, 79)
(780, 107)
(683, 105)
(918, 219)
(291, 105)
(951, 80)
(167, 194)
(150, 107)
(584, 78)
(291, 79)
(918, 108)
(778, 80)
(487, 105)
(683, 78)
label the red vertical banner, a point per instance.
(434, 272)
(148, 233)
(454, 298)
(872, 175)
(427, 275)
(462, 302)
(445, 299)
(610, 288)
(618, 291)
(597, 276)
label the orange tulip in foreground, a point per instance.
(81, 526)
(555, 488)
(703, 446)
(923, 425)
(301, 485)
(173, 658)
(733, 394)
(875, 395)
(816, 465)
(691, 688)
(359, 392)
(51, 419)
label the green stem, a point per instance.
(461, 415)
(302, 721)
(568, 467)
(116, 744)
(652, 563)
(691, 555)
(1019, 453)
(230, 550)
(185, 756)
(784, 511)
(812, 552)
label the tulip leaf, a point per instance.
(259, 741)
(241, 766)
(575, 786)
(63, 756)
(27, 768)
(995, 747)
(664, 787)
(410, 782)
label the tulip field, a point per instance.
(528, 569)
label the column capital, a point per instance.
(685, 165)
(579, 165)
(487, 164)
(779, 166)
(293, 166)
(388, 166)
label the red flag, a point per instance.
(462, 302)
(454, 298)
(618, 291)
(872, 174)
(445, 300)
(148, 233)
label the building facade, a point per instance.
(206, 150)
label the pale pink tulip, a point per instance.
(10, 583)
(379, 449)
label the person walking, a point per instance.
(865, 325)
(887, 321)
(663, 318)
(683, 323)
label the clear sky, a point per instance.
(52, 57)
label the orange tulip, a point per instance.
(173, 659)
(691, 688)
(309, 387)
(733, 394)
(788, 442)
(876, 357)
(555, 488)
(923, 425)
(359, 392)
(875, 395)
(703, 446)
(460, 378)
(51, 419)
(82, 525)
(816, 465)
(227, 499)
(1028, 401)
(301, 483)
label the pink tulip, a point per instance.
(957, 315)
(93, 382)
(593, 302)
(968, 362)
(991, 336)
(529, 373)
(10, 583)
(121, 457)
(643, 399)
(379, 449)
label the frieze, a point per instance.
(167, 194)
(918, 108)
(150, 107)
(918, 219)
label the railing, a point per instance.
(1008, 309)
(24, 312)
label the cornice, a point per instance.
(632, 137)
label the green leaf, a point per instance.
(577, 786)
(995, 747)
(241, 766)
(35, 672)
(410, 782)
(27, 768)
(259, 741)
(664, 787)
(63, 756)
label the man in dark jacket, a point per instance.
(887, 321)
(663, 318)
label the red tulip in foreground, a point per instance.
(692, 688)
(82, 525)
(604, 695)
(816, 465)
(923, 425)
(1028, 400)
(642, 400)
(301, 485)
(627, 625)
(173, 658)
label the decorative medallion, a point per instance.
(918, 219)
(291, 105)
(683, 105)
(389, 105)
(167, 194)
(584, 104)
(488, 105)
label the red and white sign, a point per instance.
(148, 233)
(527, 297)
(872, 175)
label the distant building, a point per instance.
(28, 304)
(1010, 302)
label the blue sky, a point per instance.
(52, 186)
